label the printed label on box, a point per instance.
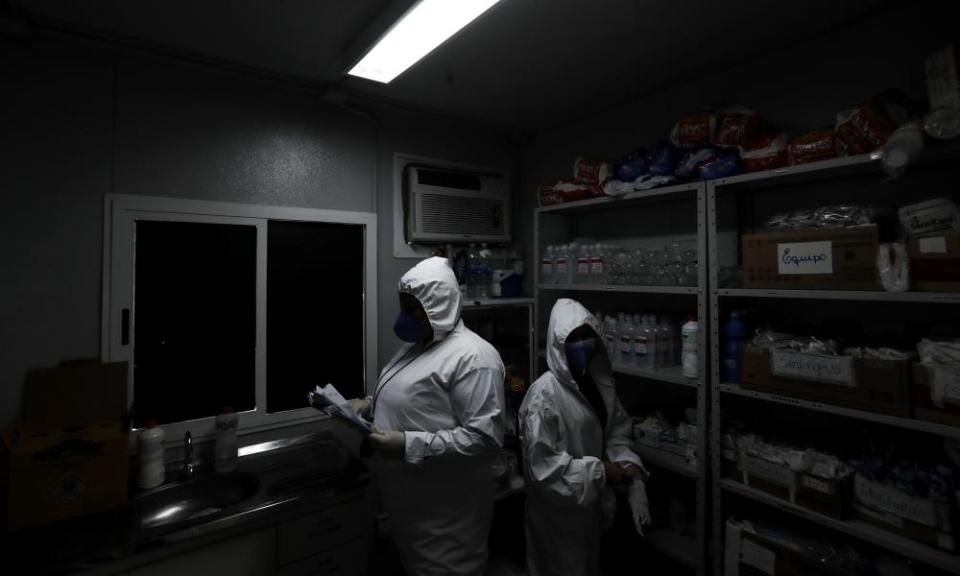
(829, 369)
(755, 555)
(936, 245)
(945, 386)
(890, 500)
(775, 473)
(805, 258)
(818, 485)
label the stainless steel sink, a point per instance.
(181, 505)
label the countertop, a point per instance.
(296, 476)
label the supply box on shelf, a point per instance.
(927, 520)
(936, 393)
(820, 259)
(68, 456)
(935, 263)
(878, 385)
(752, 554)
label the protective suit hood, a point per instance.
(433, 283)
(567, 315)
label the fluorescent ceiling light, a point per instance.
(424, 27)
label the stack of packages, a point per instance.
(936, 382)
(911, 499)
(657, 431)
(875, 379)
(932, 230)
(810, 478)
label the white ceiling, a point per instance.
(526, 64)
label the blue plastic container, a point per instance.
(734, 331)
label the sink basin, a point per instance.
(188, 503)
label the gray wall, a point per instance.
(798, 89)
(81, 120)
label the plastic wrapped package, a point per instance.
(943, 352)
(930, 218)
(566, 190)
(591, 170)
(893, 267)
(812, 147)
(736, 126)
(943, 89)
(632, 166)
(722, 167)
(662, 159)
(694, 131)
(876, 353)
(692, 160)
(647, 182)
(839, 216)
(902, 149)
(764, 152)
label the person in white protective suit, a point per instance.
(576, 440)
(438, 414)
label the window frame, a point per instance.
(121, 211)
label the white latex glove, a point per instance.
(639, 507)
(361, 406)
(391, 444)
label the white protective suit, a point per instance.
(562, 440)
(448, 399)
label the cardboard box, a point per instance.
(925, 520)
(748, 553)
(867, 384)
(774, 479)
(830, 496)
(830, 259)
(69, 456)
(935, 263)
(945, 409)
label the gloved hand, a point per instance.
(615, 473)
(639, 507)
(361, 406)
(391, 444)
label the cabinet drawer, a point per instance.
(346, 560)
(326, 528)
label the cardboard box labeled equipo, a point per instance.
(926, 520)
(864, 383)
(935, 263)
(828, 259)
(68, 457)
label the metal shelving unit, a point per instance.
(858, 529)
(766, 185)
(689, 552)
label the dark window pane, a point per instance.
(194, 320)
(314, 310)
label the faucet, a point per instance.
(189, 469)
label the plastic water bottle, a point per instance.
(598, 265)
(473, 266)
(546, 266)
(150, 452)
(734, 331)
(610, 338)
(641, 342)
(626, 340)
(669, 342)
(583, 264)
(561, 264)
(689, 358)
(484, 273)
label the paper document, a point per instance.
(331, 402)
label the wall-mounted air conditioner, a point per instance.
(443, 205)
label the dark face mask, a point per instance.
(408, 328)
(580, 353)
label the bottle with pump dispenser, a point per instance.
(150, 452)
(641, 342)
(225, 443)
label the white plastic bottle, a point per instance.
(626, 340)
(150, 453)
(572, 249)
(225, 443)
(484, 273)
(561, 265)
(611, 338)
(641, 342)
(473, 268)
(597, 265)
(689, 359)
(583, 264)
(546, 266)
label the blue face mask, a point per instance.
(580, 353)
(408, 328)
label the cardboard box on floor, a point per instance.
(935, 263)
(818, 259)
(68, 456)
